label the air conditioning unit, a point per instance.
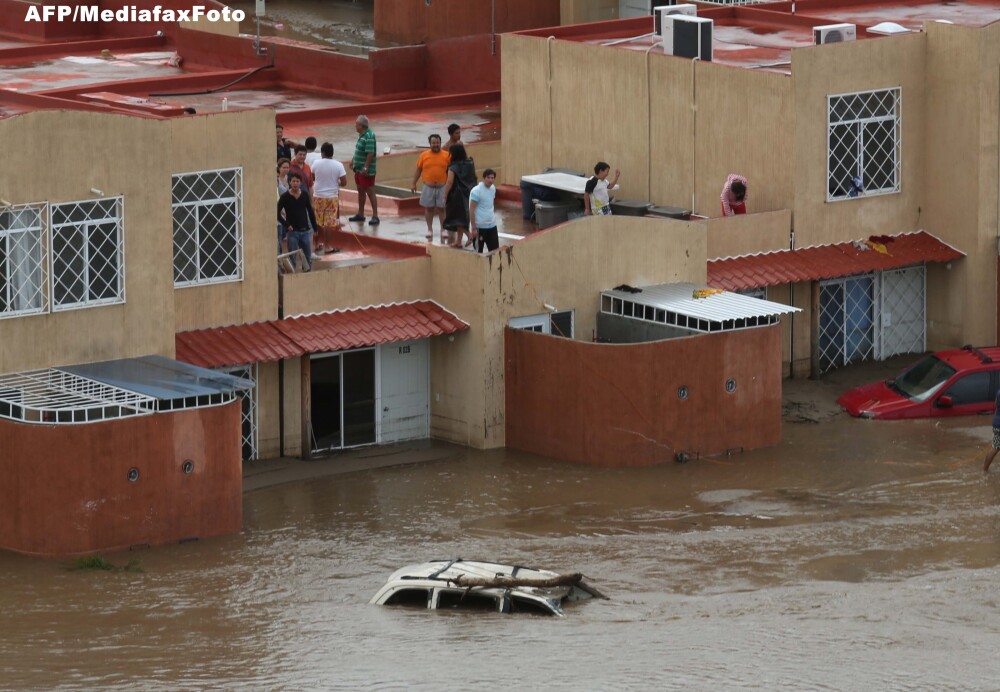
(834, 33)
(687, 37)
(661, 11)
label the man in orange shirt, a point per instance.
(432, 169)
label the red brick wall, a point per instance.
(617, 404)
(64, 488)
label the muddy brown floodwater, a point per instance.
(857, 555)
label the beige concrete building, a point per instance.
(914, 116)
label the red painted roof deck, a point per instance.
(828, 261)
(763, 36)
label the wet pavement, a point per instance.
(78, 70)
(403, 131)
(856, 555)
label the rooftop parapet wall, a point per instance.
(675, 128)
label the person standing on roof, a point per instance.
(458, 187)
(284, 145)
(454, 136)
(734, 195)
(481, 213)
(596, 201)
(996, 437)
(295, 211)
(330, 176)
(363, 165)
(300, 166)
(432, 170)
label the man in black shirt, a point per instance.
(299, 219)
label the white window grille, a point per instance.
(864, 139)
(207, 211)
(22, 260)
(248, 399)
(88, 259)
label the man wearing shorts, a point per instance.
(996, 437)
(432, 170)
(329, 175)
(363, 165)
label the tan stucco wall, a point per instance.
(961, 190)
(580, 11)
(73, 165)
(746, 234)
(853, 66)
(675, 128)
(221, 141)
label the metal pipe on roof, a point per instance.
(649, 128)
(694, 133)
(629, 39)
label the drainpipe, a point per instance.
(548, 43)
(649, 129)
(694, 132)
(791, 301)
(493, 24)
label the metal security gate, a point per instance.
(248, 408)
(872, 316)
(847, 320)
(902, 311)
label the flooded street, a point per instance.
(857, 555)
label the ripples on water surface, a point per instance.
(858, 555)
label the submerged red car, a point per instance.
(959, 382)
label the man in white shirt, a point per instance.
(596, 201)
(481, 212)
(329, 174)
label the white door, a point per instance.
(903, 311)
(405, 386)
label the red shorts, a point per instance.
(740, 208)
(363, 181)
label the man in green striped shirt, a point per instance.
(363, 165)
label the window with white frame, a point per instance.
(863, 143)
(22, 260)
(207, 211)
(88, 264)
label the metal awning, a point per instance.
(339, 330)
(829, 261)
(113, 389)
(676, 305)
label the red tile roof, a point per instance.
(829, 261)
(329, 331)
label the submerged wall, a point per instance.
(618, 404)
(64, 489)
